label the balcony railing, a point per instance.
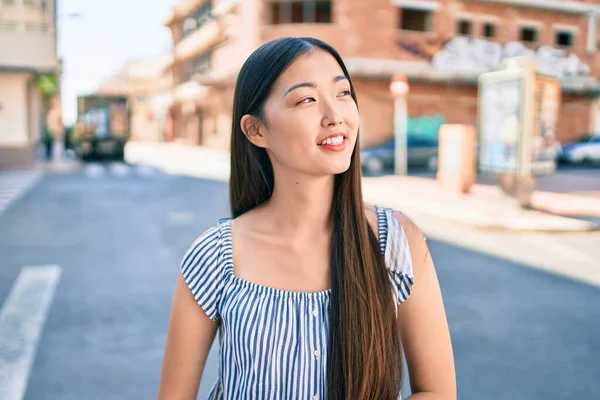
(198, 19)
(38, 27)
(27, 26)
(200, 41)
(9, 26)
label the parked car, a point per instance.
(584, 151)
(420, 153)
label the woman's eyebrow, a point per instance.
(311, 84)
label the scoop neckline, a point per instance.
(257, 287)
(262, 289)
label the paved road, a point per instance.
(105, 244)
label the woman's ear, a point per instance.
(253, 130)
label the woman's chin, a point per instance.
(339, 168)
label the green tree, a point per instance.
(47, 85)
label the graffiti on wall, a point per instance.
(477, 55)
(473, 55)
(425, 47)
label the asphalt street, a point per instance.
(88, 261)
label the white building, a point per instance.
(27, 47)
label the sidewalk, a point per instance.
(179, 159)
(485, 207)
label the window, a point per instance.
(276, 17)
(489, 30)
(29, 3)
(415, 20)
(298, 12)
(323, 12)
(529, 34)
(8, 2)
(564, 38)
(465, 27)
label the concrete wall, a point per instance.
(17, 107)
(244, 39)
(14, 125)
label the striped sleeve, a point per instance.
(203, 273)
(398, 259)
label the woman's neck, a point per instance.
(301, 205)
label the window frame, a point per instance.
(535, 28)
(286, 12)
(460, 21)
(429, 14)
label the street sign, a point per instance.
(501, 121)
(518, 113)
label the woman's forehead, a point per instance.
(318, 66)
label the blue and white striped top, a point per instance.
(274, 342)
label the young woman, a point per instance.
(308, 286)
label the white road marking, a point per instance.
(13, 185)
(95, 170)
(117, 169)
(22, 318)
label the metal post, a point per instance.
(400, 135)
(592, 31)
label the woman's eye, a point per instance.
(345, 93)
(306, 100)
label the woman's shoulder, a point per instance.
(411, 238)
(396, 231)
(393, 217)
(203, 267)
(399, 225)
(207, 241)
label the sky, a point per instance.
(105, 35)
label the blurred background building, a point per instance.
(29, 78)
(148, 88)
(440, 45)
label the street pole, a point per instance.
(400, 135)
(399, 89)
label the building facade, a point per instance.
(440, 45)
(27, 49)
(149, 91)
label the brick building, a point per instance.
(440, 45)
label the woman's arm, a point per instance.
(189, 338)
(423, 325)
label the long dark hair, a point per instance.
(364, 355)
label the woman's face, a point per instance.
(312, 119)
